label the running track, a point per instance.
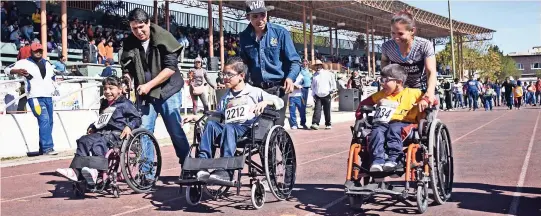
(497, 171)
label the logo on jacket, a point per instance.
(274, 41)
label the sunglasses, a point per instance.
(388, 79)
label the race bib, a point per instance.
(385, 111)
(238, 114)
(104, 118)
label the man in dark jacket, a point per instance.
(150, 55)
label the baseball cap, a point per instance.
(255, 6)
(198, 59)
(36, 47)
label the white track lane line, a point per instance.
(300, 144)
(457, 139)
(513, 207)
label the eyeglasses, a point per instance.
(228, 75)
(387, 79)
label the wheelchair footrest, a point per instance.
(230, 163)
(370, 189)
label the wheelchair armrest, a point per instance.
(271, 112)
(214, 114)
(211, 115)
(367, 109)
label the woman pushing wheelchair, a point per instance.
(240, 106)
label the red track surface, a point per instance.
(490, 150)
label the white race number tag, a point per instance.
(385, 111)
(238, 114)
(104, 118)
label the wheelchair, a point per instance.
(277, 165)
(427, 163)
(125, 159)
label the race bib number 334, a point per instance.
(385, 111)
(238, 114)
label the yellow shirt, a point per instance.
(406, 110)
(517, 91)
(36, 17)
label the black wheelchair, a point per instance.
(126, 157)
(277, 164)
(427, 163)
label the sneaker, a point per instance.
(305, 127)
(294, 128)
(90, 175)
(314, 127)
(68, 173)
(221, 175)
(52, 152)
(328, 127)
(203, 175)
(389, 165)
(376, 168)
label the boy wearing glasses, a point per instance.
(396, 109)
(239, 106)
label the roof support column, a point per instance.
(304, 32)
(312, 36)
(373, 48)
(167, 13)
(64, 25)
(156, 12)
(337, 42)
(452, 39)
(461, 53)
(44, 28)
(221, 14)
(330, 41)
(211, 31)
(367, 53)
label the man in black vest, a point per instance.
(150, 55)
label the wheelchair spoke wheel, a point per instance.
(194, 193)
(422, 198)
(441, 161)
(258, 195)
(280, 162)
(215, 191)
(140, 161)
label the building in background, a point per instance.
(528, 63)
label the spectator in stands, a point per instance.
(60, 65)
(156, 77)
(197, 85)
(323, 85)
(108, 70)
(38, 74)
(36, 18)
(24, 52)
(101, 51)
(109, 52)
(279, 64)
(4, 12)
(15, 37)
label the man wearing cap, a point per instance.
(269, 52)
(150, 56)
(39, 78)
(197, 85)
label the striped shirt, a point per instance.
(413, 63)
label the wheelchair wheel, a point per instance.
(441, 162)
(280, 162)
(194, 193)
(258, 195)
(141, 173)
(422, 198)
(356, 202)
(215, 191)
(79, 189)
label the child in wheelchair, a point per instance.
(239, 106)
(118, 117)
(395, 110)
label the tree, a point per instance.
(508, 68)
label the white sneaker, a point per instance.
(376, 168)
(68, 173)
(294, 128)
(328, 127)
(389, 165)
(203, 175)
(90, 175)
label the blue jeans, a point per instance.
(510, 100)
(299, 103)
(43, 111)
(392, 133)
(458, 100)
(305, 92)
(473, 97)
(229, 135)
(488, 103)
(169, 109)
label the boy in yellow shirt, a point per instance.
(396, 109)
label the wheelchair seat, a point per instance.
(410, 134)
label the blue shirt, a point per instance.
(306, 78)
(473, 86)
(273, 58)
(107, 72)
(59, 66)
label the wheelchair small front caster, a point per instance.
(258, 195)
(79, 189)
(116, 191)
(194, 193)
(422, 198)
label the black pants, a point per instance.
(325, 103)
(448, 101)
(280, 92)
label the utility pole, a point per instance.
(452, 38)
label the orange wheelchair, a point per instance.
(427, 163)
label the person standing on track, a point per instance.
(270, 54)
(473, 93)
(508, 87)
(323, 85)
(150, 55)
(412, 52)
(39, 78)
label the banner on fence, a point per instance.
(9, 92)
(67, 97)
